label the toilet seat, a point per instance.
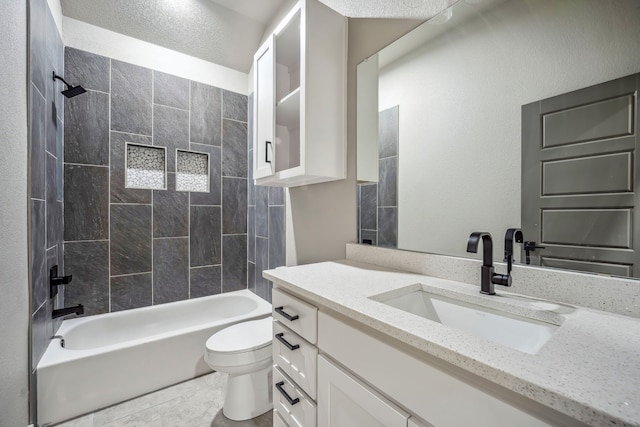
(241, 344)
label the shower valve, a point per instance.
(55, 281)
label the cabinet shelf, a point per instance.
(288, 110)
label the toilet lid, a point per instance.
(244, 336)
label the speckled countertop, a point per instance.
(589, 369)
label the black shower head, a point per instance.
(71, 90)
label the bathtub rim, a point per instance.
(56, 354)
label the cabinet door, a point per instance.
(263, 110)
(343, 401)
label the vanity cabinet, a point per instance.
(300, 99)
(295, 358)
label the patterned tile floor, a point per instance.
(195, 403)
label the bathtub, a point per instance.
(112, 357)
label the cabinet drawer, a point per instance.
(297, 315)
(277, 420)
(295, 357)
(301, 411)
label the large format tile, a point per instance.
(388, 227)
(388, 128)
(170, 130)
(131, 291)
(250, 121)
(251, 198)
(120, 194)
(234, 205)
(205, 235)
(388, 183)
(88, 263)
(86, 129)
(262, 262)
(41, 332)
(234, 106)
(131, 99)
(276, 196)
(251, 234)
(206, 114)
(52, 88)
(205, 281)
(170, 211)
(171, 91)
(214, 196)
(87, 69)
(369, 206)
(130, 239)
(170, 270)
(86, 196)
(262, 211)
(38, 254)
(37, 119)
(54, 209)
(234, 262)
(251, 277)
(39, 71)
(234, 148)
(276, 236)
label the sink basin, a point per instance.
(520, 333)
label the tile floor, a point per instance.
(194, 403)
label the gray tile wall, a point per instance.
(378, 203)
(265, 226)
(131, 248)
(46, 117)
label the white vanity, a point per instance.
(385, 361)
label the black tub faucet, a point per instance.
(512, 234)
(488, 278)
(76, 309)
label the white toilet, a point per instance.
(243, 351)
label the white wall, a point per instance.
(321, 218)
(460, 98)
(14, 280)
(90, 38)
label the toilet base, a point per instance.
(248, 395)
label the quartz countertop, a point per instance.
(589, 369)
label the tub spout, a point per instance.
(77, 309)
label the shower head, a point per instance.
(71, 90)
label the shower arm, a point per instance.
(55, 77)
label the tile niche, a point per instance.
(146, 167)
(192, 171)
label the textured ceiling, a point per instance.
(410, 9)
(225, 32)
(213, 31)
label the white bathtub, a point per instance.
(113, 357)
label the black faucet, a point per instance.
(55, 281)
(509, 237)
(488, 277)
(77, 309)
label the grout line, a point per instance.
(86, 165)
(221, 192)
(205, 266)
(109, 294)
(172, 237)
(126, 133)
(133, 204)
(166, 106)
(132, 274)
(85, 241)
(166, 177)
(189, 200)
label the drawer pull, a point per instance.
(286, 343)
(280, 388)
(287, 316)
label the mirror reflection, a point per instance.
(451, 94)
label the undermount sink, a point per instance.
(517, 332)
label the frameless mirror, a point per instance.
(458, 84)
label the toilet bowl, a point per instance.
(244, 352)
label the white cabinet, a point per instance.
(295, 356)
(343, 401)
(300, 99)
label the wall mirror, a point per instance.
(458, 84)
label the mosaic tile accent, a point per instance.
(192, 171)
(146, 167)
